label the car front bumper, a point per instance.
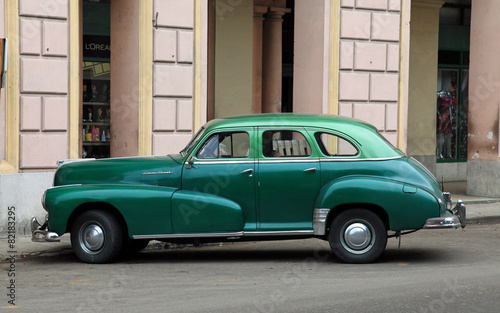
(39, 233)
(455, 220)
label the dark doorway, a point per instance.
(288, 48)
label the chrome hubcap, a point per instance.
(357, 237)
(91, 238)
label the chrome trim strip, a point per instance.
(234, 234)
(223, 162)
(284, 160)
(291, 160)
(194, 235)
(357, 159)
(319, 221)
(277, 233)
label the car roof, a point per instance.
(287, 119)
(373, 145)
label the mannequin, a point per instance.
(444, 125)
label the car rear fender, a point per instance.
(144, 209)
(401, 206)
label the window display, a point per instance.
(446, 114)
(96, 51)
(96, 113)
(452, 110)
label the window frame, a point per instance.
(301, 131)
(218, 132)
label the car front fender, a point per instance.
(407, 206)
(197, 212)
(145, 209)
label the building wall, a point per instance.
(369, 63)
(311, 56)
(483, 166)
(173, 72)
(42, 101)
(125, 43)
(423, 81)
(233, 58)
(43, 83)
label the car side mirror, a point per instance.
(190, 162)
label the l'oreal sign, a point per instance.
(96, 47)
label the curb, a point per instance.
(483, 220)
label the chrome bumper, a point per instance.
(39, 233)
(457, 219)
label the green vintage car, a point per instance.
(256, 177)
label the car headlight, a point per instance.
(447, 199)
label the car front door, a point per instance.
(224, 166)
(288, 179)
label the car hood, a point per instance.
(151, 170)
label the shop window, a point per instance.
(452, 111)
(453, 81)
(96, 84)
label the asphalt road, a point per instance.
(433, 271)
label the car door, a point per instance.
(288, 179)
(224, 166)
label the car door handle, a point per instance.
(312, 169)
(250, 171)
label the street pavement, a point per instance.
(480, 210)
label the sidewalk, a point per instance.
(479, 210)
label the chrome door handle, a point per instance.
(250, 170)
(312, 169)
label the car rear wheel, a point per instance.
(96, 237)
(357, 236)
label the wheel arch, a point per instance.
(103, 206)
(378, 210)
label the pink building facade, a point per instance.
(157, 70)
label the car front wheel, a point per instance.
(96, 237)
(357, 236)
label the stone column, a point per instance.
(421, 129)
(272, 60)
(258, 19)
(483, 163)
(124, 88)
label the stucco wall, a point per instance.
(173, 41)
(124, 25)
(233, 58)
(422, 97)
(369, 63)
(483, 166)
(23, 193)
(311, 55)
(43, 83)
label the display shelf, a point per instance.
(96, 117)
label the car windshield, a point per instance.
(192, 142)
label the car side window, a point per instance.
(284, 143)
(226, 145)
(332, 145)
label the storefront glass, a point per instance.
(96, 113)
